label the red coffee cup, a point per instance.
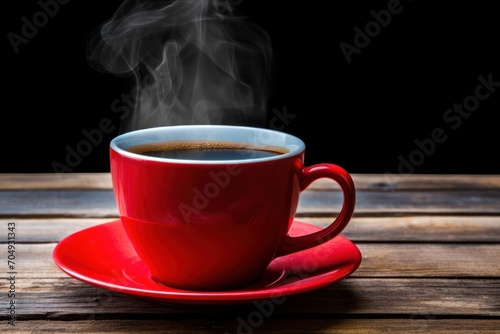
(208, 207)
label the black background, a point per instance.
(365, 115)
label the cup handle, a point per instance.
(344, 180)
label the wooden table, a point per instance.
(430, 247)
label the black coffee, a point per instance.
(207, 150)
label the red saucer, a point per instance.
(102, 256)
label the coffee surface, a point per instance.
(207, 150)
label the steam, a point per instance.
(192, 62)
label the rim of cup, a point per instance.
(230, 133)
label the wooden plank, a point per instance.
(442, 229)
(392, 182)
(452, 229)
(390, 281)
(48, 230)
(377, 182)
(379, 260)
(404, 202)
(254, 323)
(58, 203)
(429, 260)
(101, 203)
(69, 299)
(21, 181)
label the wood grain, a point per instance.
(418, 323)
(418, 229)
(101, 203)
(430, 247)
(67, 298)
(379, 260)
(453, 229)
(375, 182)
